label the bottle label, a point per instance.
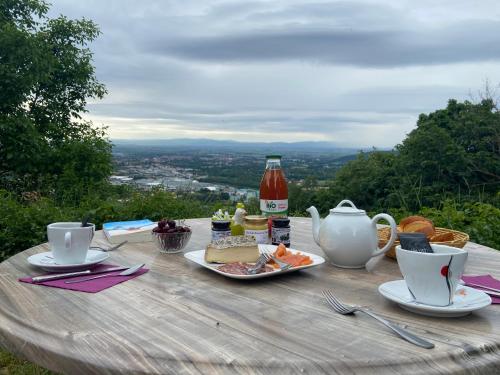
(259, 234)
(274, 206)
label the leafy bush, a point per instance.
(23, 225)
(23, 220)
(480, 220)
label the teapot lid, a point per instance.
(353, 210)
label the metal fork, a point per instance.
(258, 265)
(110, 248)
(347, 310)
(282, 265)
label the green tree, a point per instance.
(453, 151)
(46, 78)
(453, 155)
(368, 180)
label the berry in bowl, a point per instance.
(170, 236)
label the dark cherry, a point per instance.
(162, 224)
(169, 226)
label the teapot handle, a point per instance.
(394, 233)
(346, 201)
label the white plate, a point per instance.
(466, 300)
(47, 263)
(198, 256)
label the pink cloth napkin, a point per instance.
(485, 280)
(91, 286)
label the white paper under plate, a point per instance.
(198, 256)
(465, 301)
(46, 262)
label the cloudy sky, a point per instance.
(356, 73)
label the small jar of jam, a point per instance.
(220, 229)
(280, 231)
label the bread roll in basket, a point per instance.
(436, 235)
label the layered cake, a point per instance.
(232, 249)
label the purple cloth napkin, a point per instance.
(485, 280)
(91, 286)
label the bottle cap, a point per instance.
(255, 219)
(273, 156)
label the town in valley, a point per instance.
(227, 168)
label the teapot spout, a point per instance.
(315, 222)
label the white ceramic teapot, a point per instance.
(348, 236)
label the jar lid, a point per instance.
(281, 222)
(353, 210)
(257, 219)
(221, 224)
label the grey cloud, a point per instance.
(415, 100)
(341, 13)
(260, 120)
(471, 41)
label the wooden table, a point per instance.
(182, 319)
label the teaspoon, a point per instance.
(127, 272)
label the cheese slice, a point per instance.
(233, 249)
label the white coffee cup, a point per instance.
(70, 242)
(432, 278)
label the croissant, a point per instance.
(410, 219)
(417, 224)
(442, 237)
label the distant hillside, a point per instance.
(347, 158)
(233, 146)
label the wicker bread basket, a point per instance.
(459, 239)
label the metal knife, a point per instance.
(39, 279)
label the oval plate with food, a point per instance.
(198, 256)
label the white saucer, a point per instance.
(47, 263)
(466, 300)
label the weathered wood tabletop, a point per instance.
(180, 318)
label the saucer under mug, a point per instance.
(465, 301)
(46, 261)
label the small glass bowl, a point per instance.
(171, 243)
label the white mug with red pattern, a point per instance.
(432, 278)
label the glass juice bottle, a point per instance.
(273, 189)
